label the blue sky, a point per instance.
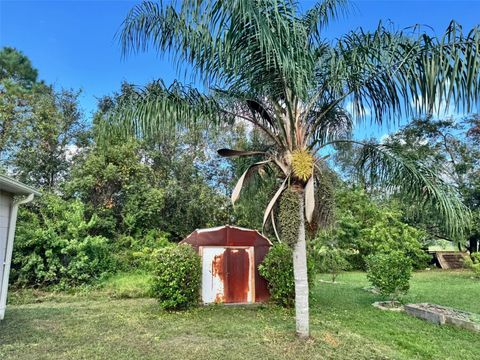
(72, 43)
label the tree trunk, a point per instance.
(301, 276)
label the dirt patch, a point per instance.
(388, 305)
(371, 289)
(330, 339)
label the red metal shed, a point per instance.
(230, 259)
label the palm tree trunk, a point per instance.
(301, 276)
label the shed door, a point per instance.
(227, 274)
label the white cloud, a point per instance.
(351, 109)
(440, 109)
(71, 151)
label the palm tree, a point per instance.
(265, 62)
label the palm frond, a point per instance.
(276, 73)
(322, 14)
(392, 172)
(234, 153)
(273, 200)
(387, 73)
(246, 44)
(262, 114)
(252, 169)
(324, 127)
(158, 110)
(310, 198)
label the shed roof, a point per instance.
(226, 235)
(13, 186)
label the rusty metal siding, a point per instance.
(230, 260)
(261, 286)
(228, 274)
(239, 275)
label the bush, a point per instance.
(332, 260)
(389, 273)
(364, 227)
(177, 277)
(132, 253)
(473, 263)
(53, 246)
(277, 269)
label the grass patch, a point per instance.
(118, 286)
(343, 322)
(127, 286)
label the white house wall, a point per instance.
(5, 206)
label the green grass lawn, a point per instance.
(112, 322)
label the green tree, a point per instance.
(267, 63)
(185, 171)
(16, 67)
(180, 167)
(38, 125)
(51, 135)
(363, 227)
(452, 146)
(118, 188)
(17, 77)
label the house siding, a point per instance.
(5, 205)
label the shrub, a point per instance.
(390, 273)
(473, 263)
(277, 269)
(134, 253)
(177, 277)
(332, 260)
(53, 245)
(144, 252)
